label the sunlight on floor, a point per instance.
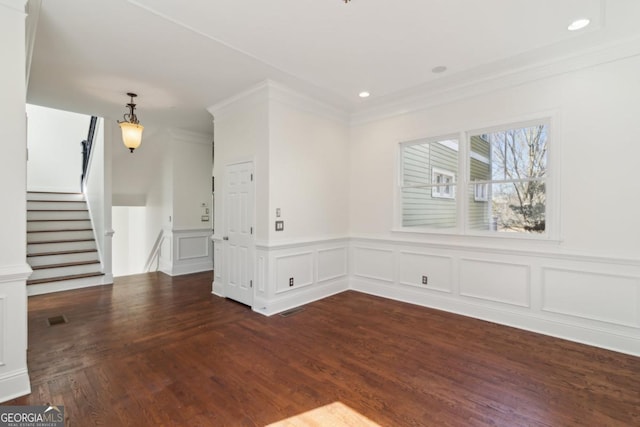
(335, 414)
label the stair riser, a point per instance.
(54, 215)
(36, 261)
(56, 247)
(58, 225)
(55, 196)
(64, 271)
(58, 235)
(61, 206)
(65, 285)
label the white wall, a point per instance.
(586, 285)
(308, 164)
(129, 240)
(55, 152)
(192, 161)
(241, 133)
(14, 271)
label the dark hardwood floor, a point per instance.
(153, 350)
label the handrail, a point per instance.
(87, 145)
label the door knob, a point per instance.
(225, 238)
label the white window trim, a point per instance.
(552, 178)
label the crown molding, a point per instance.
(271, 91)
(254, 95)
(441, 92)
(303, 102)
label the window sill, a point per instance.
(489, 236)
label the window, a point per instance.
(503, 172)
(440, 176)
(481, 193)
(428, 183)
(508, 169)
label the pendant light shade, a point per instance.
(131, 135)
(131, 128)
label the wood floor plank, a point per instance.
(155, 350)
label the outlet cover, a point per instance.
(290, 281)
(279, 225)
(425, 280)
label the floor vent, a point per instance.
(291, 312)
(56, 320)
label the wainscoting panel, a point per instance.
(606, 297)
(372, 263)
(495, 281)
(190, 247)
(294, 271)
(332, 263)
(14, 377)
(437, 269)
(186, 251)
(588, 299)
(319, 269)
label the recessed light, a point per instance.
(364, 94)
(439, 69)
(578, 24)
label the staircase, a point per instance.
(61, 248)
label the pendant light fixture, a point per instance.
(131, 128)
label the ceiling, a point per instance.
(182, 57)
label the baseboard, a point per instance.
(608, 339)
(14, 385)
(292, 300)
(217, 289)
(181, 270)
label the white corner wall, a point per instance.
(98, 194)
(300, 150)
(187, 164)
(129, 240)
(584, 287)
(55, 152)
(14, 271)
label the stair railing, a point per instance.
(87, 145)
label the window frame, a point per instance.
(463, 182)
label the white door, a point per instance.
(238, 236)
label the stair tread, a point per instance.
(79, 251)
(61, 241)
(64, 264)
(61, 278)
(56, 201)
(52, 192)
(57, 210)
(59, 230)
(54, 220)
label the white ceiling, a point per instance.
(182, 57)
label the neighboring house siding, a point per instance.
(419, 207)
(479, 211)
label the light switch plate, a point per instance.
(279, 225)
